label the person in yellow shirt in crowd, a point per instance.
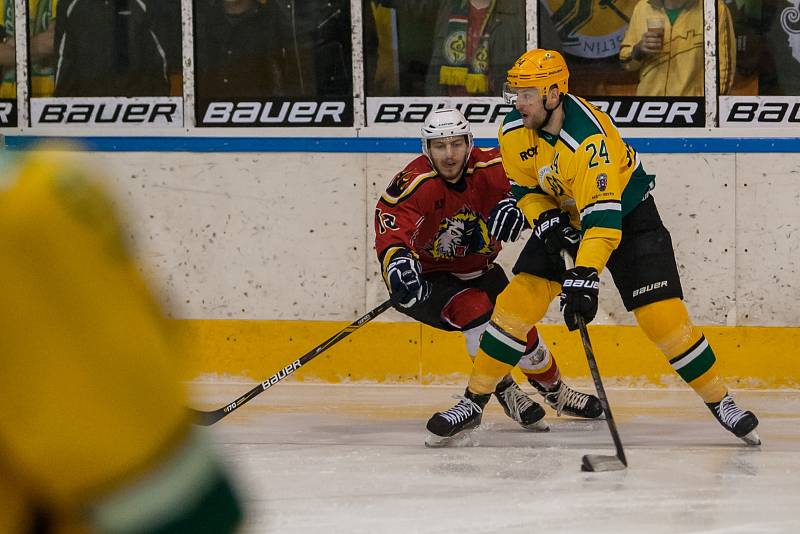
(572, 170)
(94, 433)
(664, 42)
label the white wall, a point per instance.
(289, 236)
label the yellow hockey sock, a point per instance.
(667, 324)
(486, 373)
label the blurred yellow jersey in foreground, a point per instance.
(94, 435)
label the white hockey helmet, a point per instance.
(447, 122)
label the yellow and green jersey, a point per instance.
(587, 170)
(94, 431)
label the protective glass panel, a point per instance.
(105, 64)
(430, 54)
(8, 57)
(640, 60)
(115, 48)
(41, 49)
(766, 89)
(256, 60)
(451, 48)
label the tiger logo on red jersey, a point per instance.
(462, 234)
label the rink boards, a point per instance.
(408, 353)
(261, 256)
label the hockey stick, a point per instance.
(209, 418)
(598, 462)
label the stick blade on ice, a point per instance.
(202, 418)
(599, 462)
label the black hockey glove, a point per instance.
(406, 284)
(579, 292)
(554, 230)
(506, 222)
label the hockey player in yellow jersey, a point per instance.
(94, 432)
(584, 189)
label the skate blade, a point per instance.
(599, 463)
(752, 439)
(539, 426)
(601, 417)
(462, 439)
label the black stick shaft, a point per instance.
(598, 382)
(601, 391)
(209, 418)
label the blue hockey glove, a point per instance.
(579, 292)
(506, 222)
(406, 284)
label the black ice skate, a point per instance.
(445, 426)
(567, 401)
(737, 421)
(519, 406)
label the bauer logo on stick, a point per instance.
(280, 375)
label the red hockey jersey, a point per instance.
(444, 224)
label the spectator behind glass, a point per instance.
(406, 36)
(41, 26)
(241, 50)
(117, 47)
(664, 42)
(474, 45)
(748, 26)
(321, 35)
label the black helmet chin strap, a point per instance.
(549, 112)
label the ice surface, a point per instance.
(350, 459)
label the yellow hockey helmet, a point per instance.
(537, 68)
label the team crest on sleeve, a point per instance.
(602, 181)
(403, 185)
(462, 234)
(400, 183)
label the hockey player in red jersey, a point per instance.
(438, 230)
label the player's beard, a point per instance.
(453, 165)
(534, 122)
(456, 174)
